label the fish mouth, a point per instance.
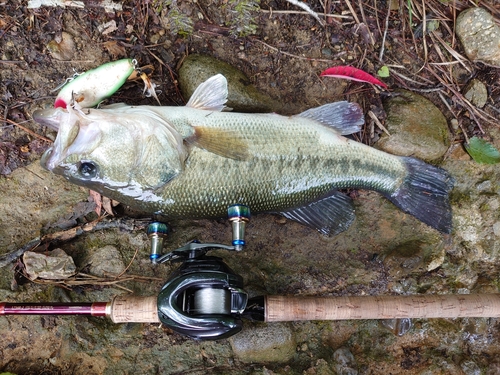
(50, 117)
(47, 161)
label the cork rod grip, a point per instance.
(282, 308)
(134, 309)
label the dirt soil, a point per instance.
(282, 58)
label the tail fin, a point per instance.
(424, 194)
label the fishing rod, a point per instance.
(204, 299)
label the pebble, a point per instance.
(397, 326)
(470, 368)
(480, 36)
(476, 93)
(62, 47)
(345, 363)
(273, 342)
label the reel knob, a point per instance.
(238, 215)
(156, 232)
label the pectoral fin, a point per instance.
(229, 144)
(330, 215)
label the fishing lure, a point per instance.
(92, 87)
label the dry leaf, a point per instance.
(106, 204)
(115, 49)
(96, 198)
(62, 47)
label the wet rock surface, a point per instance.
(242, 97)
(106, 261)
(417, 127)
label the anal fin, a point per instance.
(329, 215)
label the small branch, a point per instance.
(66, 235)
(297, 56)
(351, 9)
(328, 15)
(307, 9)
(381, 55)
(28, 130)
(378, 123)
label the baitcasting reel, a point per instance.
(203, 299)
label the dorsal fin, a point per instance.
(221, 142)
(210, 95)
(344, 117)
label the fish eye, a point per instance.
(87, 169)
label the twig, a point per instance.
(474, 112)
(459, 58)
(363, 17)
(9, 257)
(382, 47)
(351, 9)
(296, 56)
(377, 121)
(129, 264)
(86, 279)
(28, 130)
(307, 9)
(325, 15)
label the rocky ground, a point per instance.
(452, 94)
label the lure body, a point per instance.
(95, 85)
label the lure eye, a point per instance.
(88, 169)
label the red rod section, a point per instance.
(93, 309)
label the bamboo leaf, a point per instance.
(482, 151)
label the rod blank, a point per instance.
(93, 309)
(136, 309)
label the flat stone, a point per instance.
(52, 265)
(417, 127)
(480, 36)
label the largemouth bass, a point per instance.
(195, 161)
